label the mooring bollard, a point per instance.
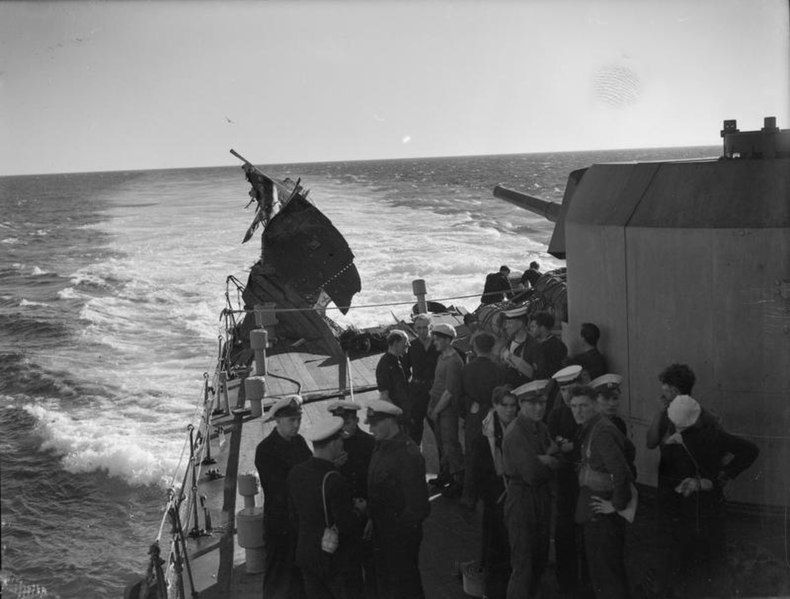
(249, 523)
(255, 389)
(259, 339)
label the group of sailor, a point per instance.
(543, 449)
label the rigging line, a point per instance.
(409, 303)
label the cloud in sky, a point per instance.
(406, 139)
(152, 85)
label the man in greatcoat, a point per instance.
(529, 462)
(479, 378)
(420, 361)
(358, 446)
(604, 474)
(391, 378)
(397, 503)
(280, 451)
(570, 566)
(320, 498)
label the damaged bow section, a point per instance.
(305, 263)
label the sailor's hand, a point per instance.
(705, 484)
(601, 506)
(674, 439)
(688, 486)
(367, 534)
(564, 444)
(341, 459)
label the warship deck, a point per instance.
(451, 534)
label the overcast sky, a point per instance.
(87, 86)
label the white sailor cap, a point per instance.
(531, 391)
(338, 406)
(290, 405)
(378, 409)
(567, 375)
(324, 430)
(606, 381)
(520, 312)
(684, 411)
(445, 329)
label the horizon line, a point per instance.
(355, 160)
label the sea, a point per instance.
(111, 285)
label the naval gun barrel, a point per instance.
(548, 210)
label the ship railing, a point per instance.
(169, 556)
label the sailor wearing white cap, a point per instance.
(607, 381)
(517, 352)
(358, 447)
(564, 430)
(445, 398)
(379, 410)
(397, 502)
(285, 407)
(275, 456)
(604, 477)
(607, 390)
(532, 390)
(321, 498)
(357, 443)
(528, 463)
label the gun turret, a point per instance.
(548, 210)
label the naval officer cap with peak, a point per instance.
(325, 430)
(286, 407)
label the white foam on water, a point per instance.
(394, 245)
(37, 272)
(140, 451)
(68, 293)
(26, 302)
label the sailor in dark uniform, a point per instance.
(420, 361)
(528, 461)
(358, 446)
(274, 458)
(519, 348)
(564, 430)
(551, 352)
(607, 391)
(397, 503)
(590, 359)
(497, 286)
(320, 498)
(603, 475)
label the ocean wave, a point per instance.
(19, 375)
(25, 326)
(68, 293)
(111, 444)
(87, 280)
(26, 302)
